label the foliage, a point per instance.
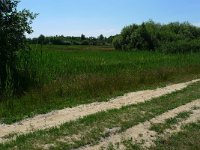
(68, 40)
(13, 26)
(152, 36)
(182, 46)
(117, 42)
(41, 39)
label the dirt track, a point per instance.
(57, 118)
(141, 133)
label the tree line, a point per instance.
(170, 38)
(71, 40)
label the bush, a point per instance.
(76, 43)
(182, 46)
(151, 36)
(117, 42)
(85, 42)
(66, 43)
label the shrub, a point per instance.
(117, 42)
(151, 36)
(85, 42)
(182, 46)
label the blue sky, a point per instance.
(93, 17)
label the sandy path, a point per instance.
(142, 133)
(58, 117)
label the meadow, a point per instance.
(67, 76)
(138, 89)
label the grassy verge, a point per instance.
(91, 129)
(70, 78)
(188, 139)
(160, 128)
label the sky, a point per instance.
(107, 17)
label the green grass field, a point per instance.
(74, 75)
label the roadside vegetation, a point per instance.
(186, 139)
(161, 127)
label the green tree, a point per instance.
(101, 37)
(83, 37)
(13, 26)
(172, 37)
(41, 39)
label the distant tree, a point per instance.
(71, 40)
(41, 39)
(13, 26)
(110, 39)
(101, 37)
(83, 37)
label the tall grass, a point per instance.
(69, 78)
